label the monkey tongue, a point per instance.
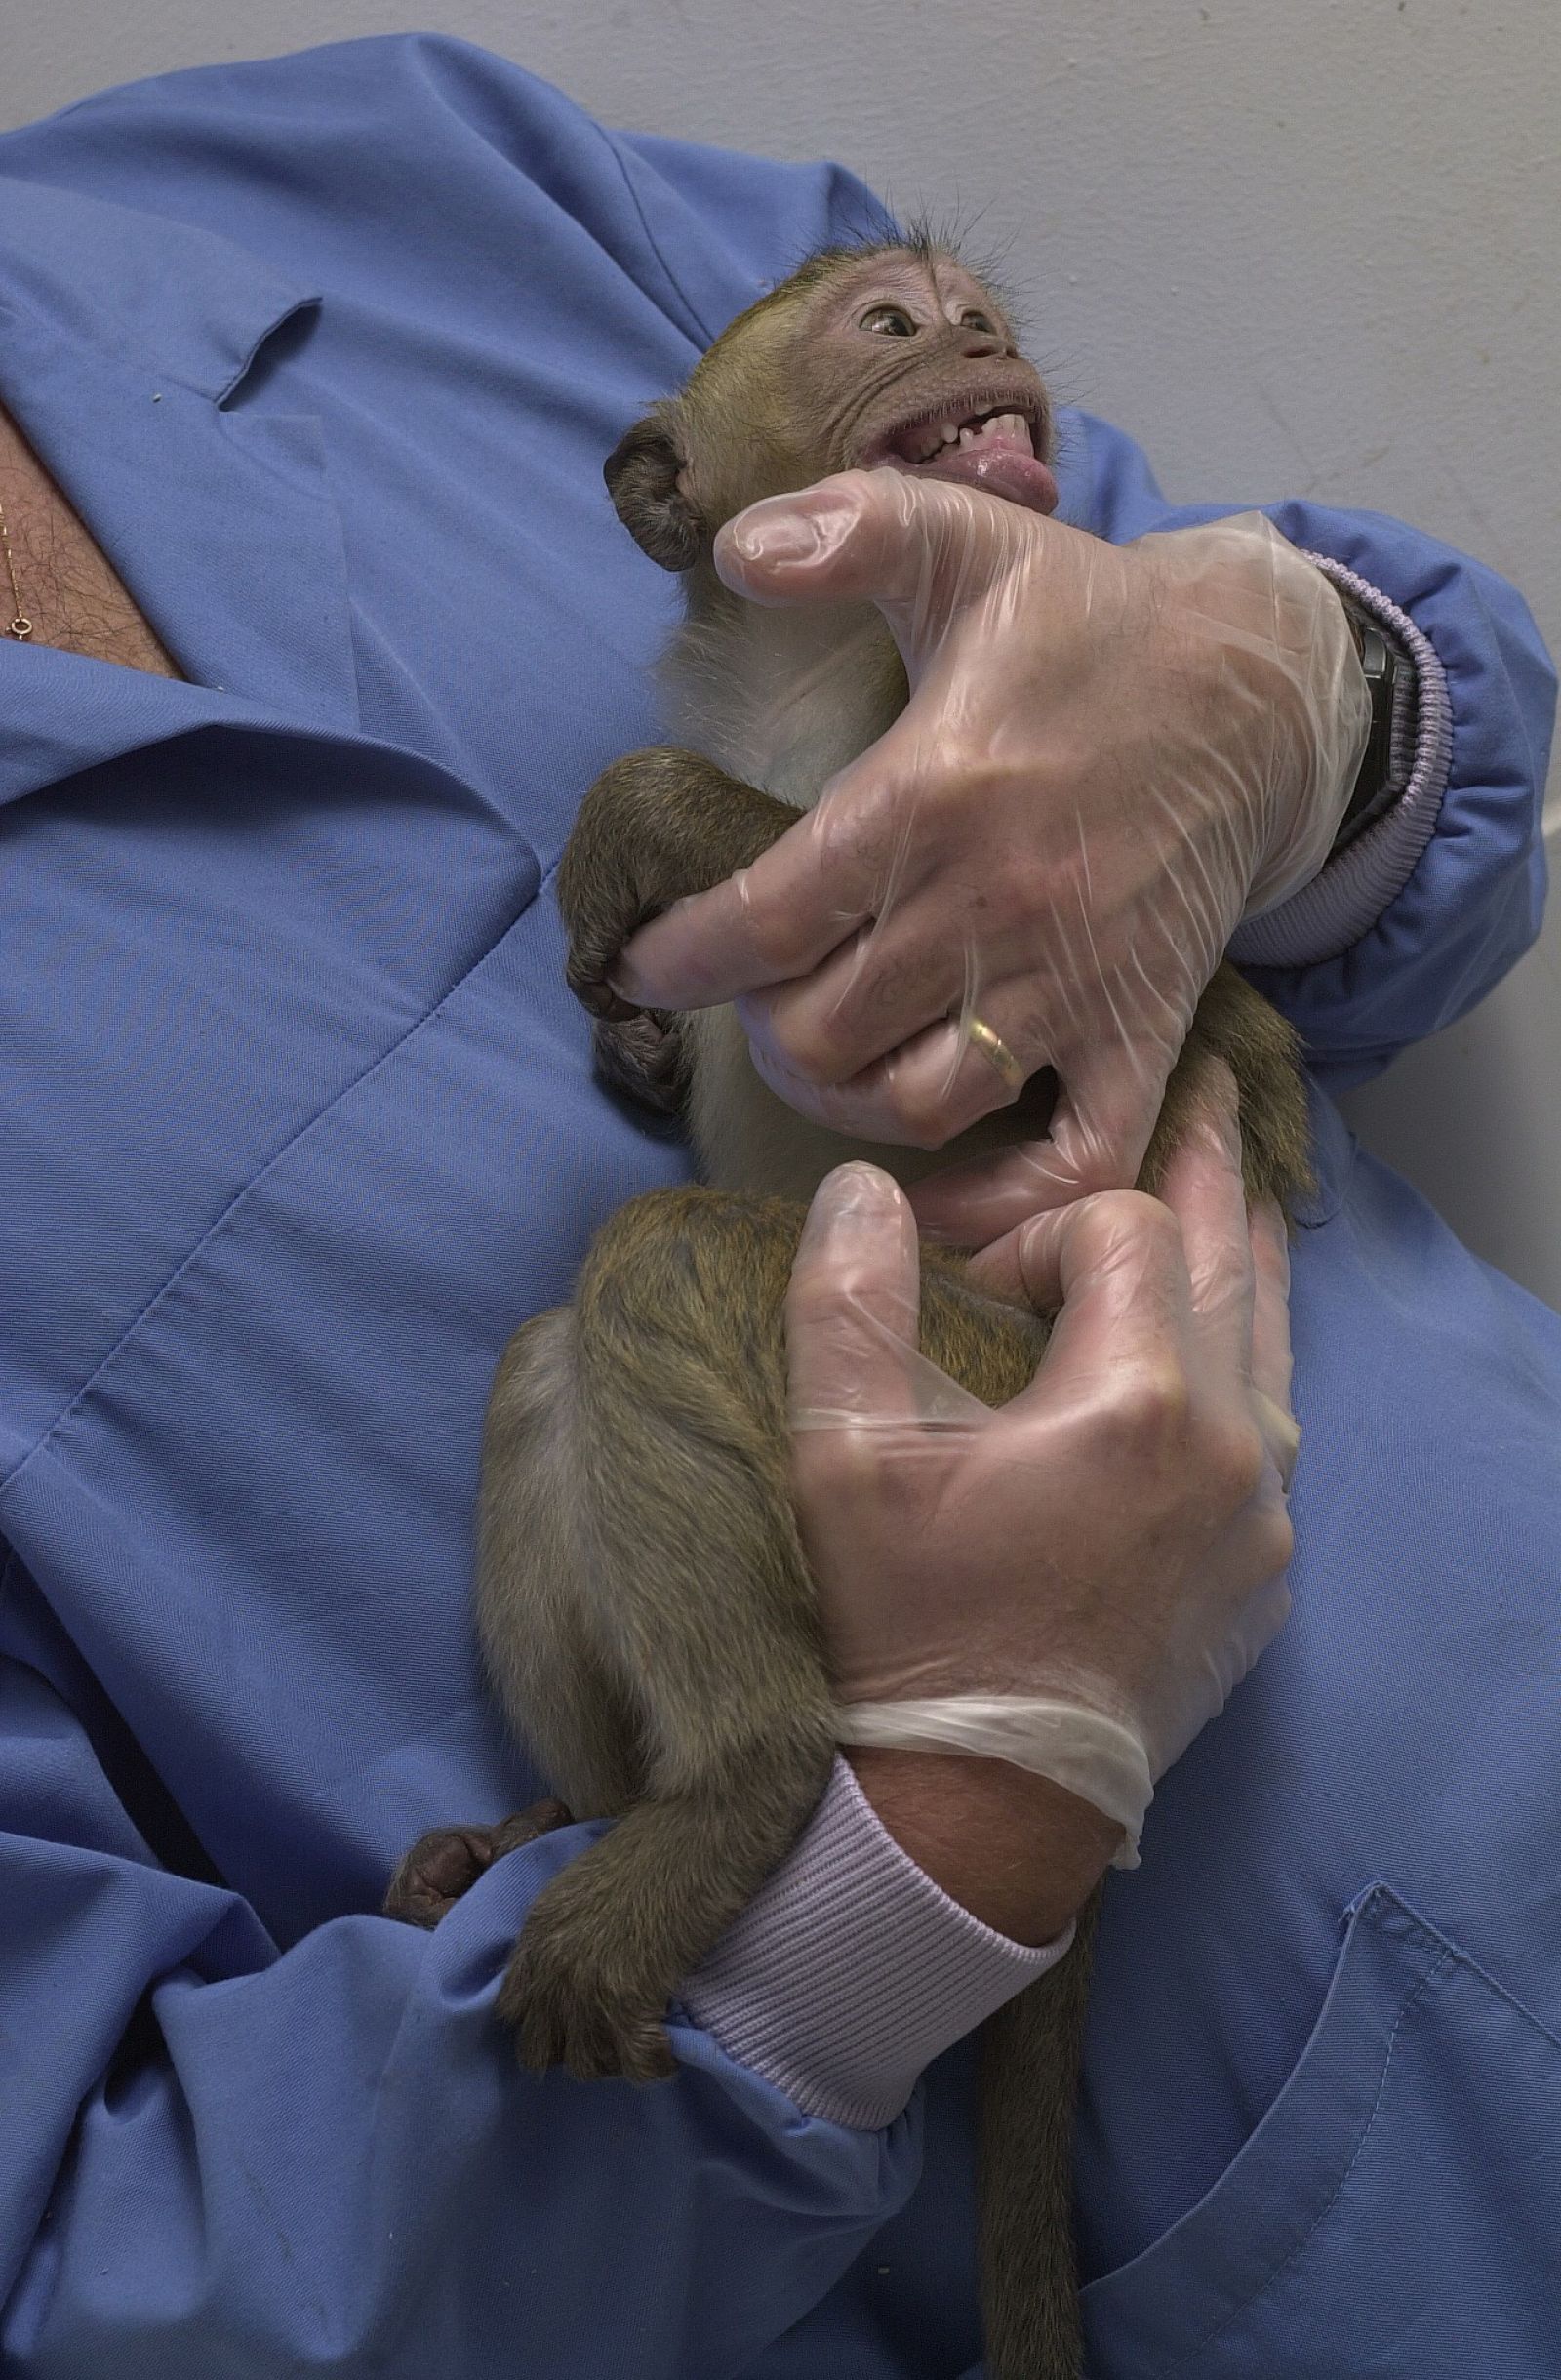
(999, 466)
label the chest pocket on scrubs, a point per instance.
(1396, 2213)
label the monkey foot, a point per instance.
(447, 1860)
(643, 1056)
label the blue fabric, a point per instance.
(300, 1124)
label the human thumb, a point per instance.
(914, 548)
(852, 1308)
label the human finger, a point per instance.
(852, 1304)
(1113, 1270)
(1203, 1188)
(1107, 1104)
(1270, 1337)
(1001, 1266)
(863, 1108)
(1099, 1134)
(952, 1074)
(847, 862)
(922, 1094)
(895, 976)
(777, 918)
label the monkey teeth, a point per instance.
(929, 438)
(990, 450)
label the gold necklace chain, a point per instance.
(18, 625)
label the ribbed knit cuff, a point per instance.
(1346, 897)
(850, 1970)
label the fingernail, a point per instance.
(788, 537)
(855, 1202)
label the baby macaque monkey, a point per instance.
(644, 1602)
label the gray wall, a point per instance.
(1297, 246)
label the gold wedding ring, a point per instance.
(996, 1052)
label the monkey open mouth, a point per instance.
(991, 448)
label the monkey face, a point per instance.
(906, 361)
(890, 357)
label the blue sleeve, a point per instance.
(1470, 903)
(220, 2162)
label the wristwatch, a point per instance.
(1376, 788)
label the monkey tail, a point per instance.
(1032, 2051)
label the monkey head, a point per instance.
(892, 355)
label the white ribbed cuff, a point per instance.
(850, 1970)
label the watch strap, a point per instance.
(1378, 780)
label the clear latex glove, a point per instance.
(1075, 1582)
(1109, 755)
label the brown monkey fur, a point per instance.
(644, 1603)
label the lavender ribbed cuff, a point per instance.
(1345, 899)
(850, 1971)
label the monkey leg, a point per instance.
(655, 826)
(638, 1553)
(636, 1480)
(608, 1941)
(540, 1632)
(1264, 1052)
(446, 1862)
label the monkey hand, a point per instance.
(1109, 755)
(1075, 1582)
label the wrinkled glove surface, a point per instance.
(1110, 755)
(1075, 1582)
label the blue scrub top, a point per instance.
(300, 1124)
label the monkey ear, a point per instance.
(642, 475)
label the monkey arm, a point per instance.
(655, 826)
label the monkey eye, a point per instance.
(891, 321)
(977, 321)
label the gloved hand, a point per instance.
(1110, 755)
(1074, 1583)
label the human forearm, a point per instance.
(1020, 1852)
(1422, 913)
(852, 1968)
